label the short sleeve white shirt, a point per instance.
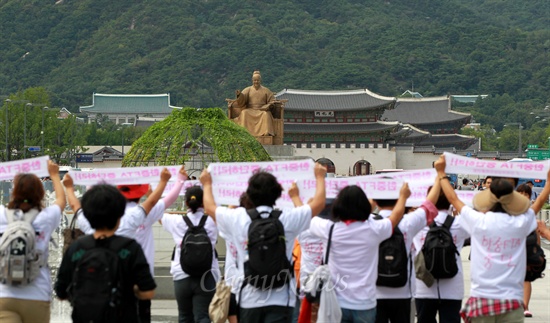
(144, 233)
(353, 258)
(175, 224)
(499, 258)
(41, 288)
(133, 217)
(451, 288)
(232, 273)
(233, 224)
(410, 225)
(312, 252)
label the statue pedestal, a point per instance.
(265, 140)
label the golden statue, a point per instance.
(256, 109)
(252, 108)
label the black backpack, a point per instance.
(440, 250)
(96, 287)
(268, 266)
(392, 260)
(536, 260)
(196, 249)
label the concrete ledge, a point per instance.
(279, 150)
(165, 283)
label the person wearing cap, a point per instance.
(134, 214)
(498, 224)
(138, 219)
(144, 233)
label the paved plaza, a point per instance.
(165, 309)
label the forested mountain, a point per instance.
(200, 51)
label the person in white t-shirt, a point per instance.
(31, 302)
(144, 234)
(312, 255)
(445, 295)
(499, 224)
(135, 213)
(388, 299)
(354, 246)
(193, 294)
(138, 219)
(270, 305)
(232, 272)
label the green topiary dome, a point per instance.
(196, 136)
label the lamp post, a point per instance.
(520, 153)
(122, 125)
(42, 132)
(25, 129)
(7, 130)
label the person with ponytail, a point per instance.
(31, 302)
(193, 294)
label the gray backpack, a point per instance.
(20, 262)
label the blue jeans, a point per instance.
(358, 316)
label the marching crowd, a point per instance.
(348, 259)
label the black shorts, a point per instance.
(233, 307)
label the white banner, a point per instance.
(237, 172)
(229, 193)
(122, 176)
(375, 187)
(230, 180)
(37, 166)
(417, 177)
(419, 194)
(171, 184)
(456, 164)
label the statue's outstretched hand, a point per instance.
(237, 92)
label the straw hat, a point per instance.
(513, 203)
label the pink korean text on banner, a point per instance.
(290, 169)
(456, 164)
(374, 186)
(122, 176)
(170, 185)
(37, 166)
(230, 180)
(226, 193)
(417, 177)
(419, 194)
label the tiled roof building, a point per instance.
(337, 116)
(125, 108)
(361, 116)
(435, 116)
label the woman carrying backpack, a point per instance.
(195, 267)
(354, 249)
(440, 300)
(30, 302)
(499, 224)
